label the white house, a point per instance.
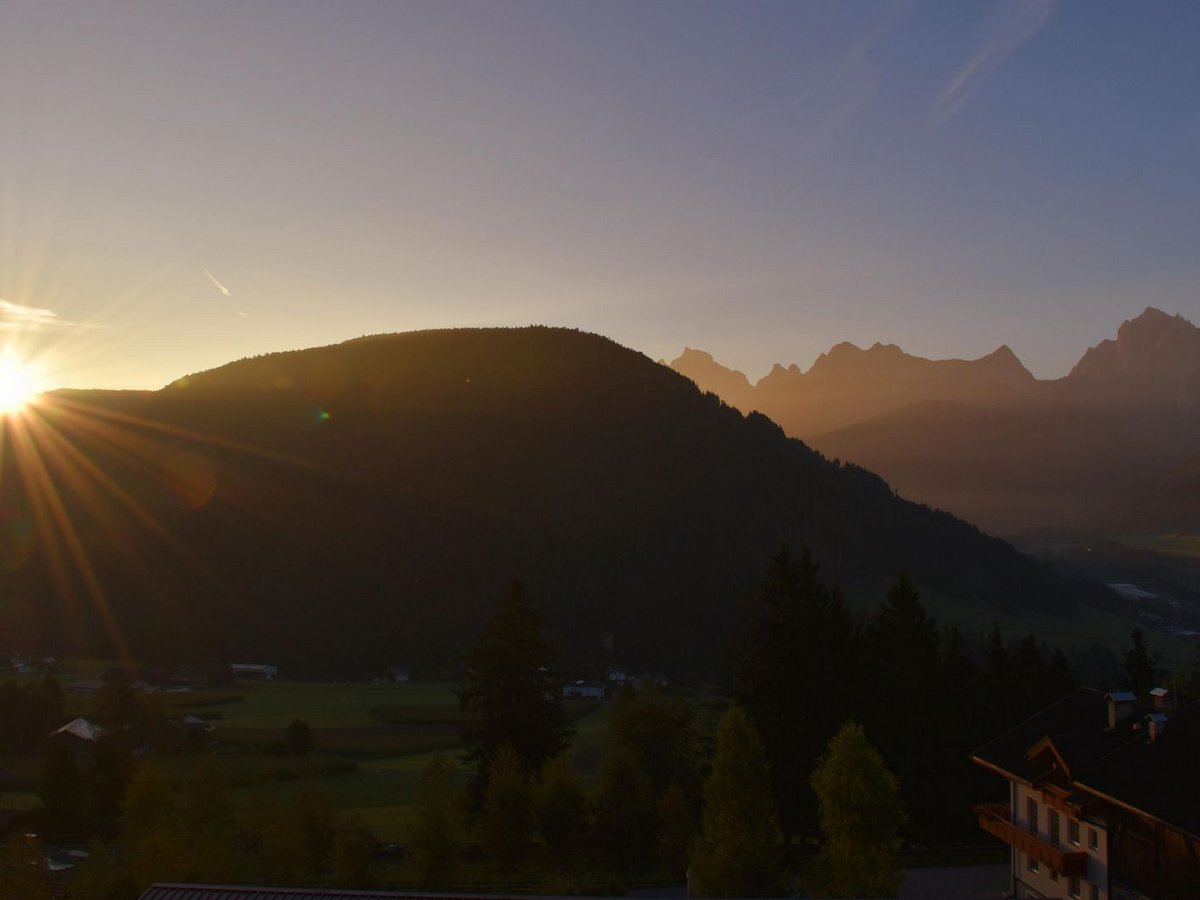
(1103, 799)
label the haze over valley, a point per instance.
(1110, 447)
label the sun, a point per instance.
(17, 386)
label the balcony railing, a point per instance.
(995, 819)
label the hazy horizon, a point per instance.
(184, 185)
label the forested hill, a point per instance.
(334, 509)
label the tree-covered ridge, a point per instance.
(348, 507)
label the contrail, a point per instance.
(1016, 24)
(213, 278)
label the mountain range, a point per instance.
(1111, 446)
(340, 509)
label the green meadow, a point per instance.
(370, 742)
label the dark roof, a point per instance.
(1071, 723)
(171, 891)
(168, 891)
(1160, 778)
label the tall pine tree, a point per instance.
(1138, 663)
(801, 673)
(512, 689)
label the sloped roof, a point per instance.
(1071, 723)
(170, 891)
(1160, 778)
(80, 728)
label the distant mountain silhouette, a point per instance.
(363, 504)
(1152, 367)
(986, 440)
(848, 384)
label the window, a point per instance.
(1095, 892)
(1093, 839)
(1054, 874)
(1073, 886)
(1073, 831)
(1033, 864)
(1053, 827)
(1031, 813)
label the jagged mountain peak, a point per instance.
(700, 366)
(1004, 362)
(1153, 344)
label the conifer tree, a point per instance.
(908, 708)
(1138, 663)
(510, 686)
(861, 817)
(803, 637)
(736, 855)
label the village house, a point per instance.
(79, 735)
(254, 670)
(1103, 798)
(583, 689)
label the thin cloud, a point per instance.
(16, 316)
(213, 278)
(1017, 24)
(19, 317)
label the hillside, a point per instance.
(985, 440)
(364, 504)
(1167, 502)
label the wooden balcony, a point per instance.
(996, 820)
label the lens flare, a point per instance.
(17, 385)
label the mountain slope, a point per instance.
(1168, 502)
(366, 503)
(985, 440)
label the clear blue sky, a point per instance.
(185, 183)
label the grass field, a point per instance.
(371, 742)
(273, 704)
(390, 732)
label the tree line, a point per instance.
(813, 678)
(845, 737)
(663, 802)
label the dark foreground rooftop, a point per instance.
(173, 891)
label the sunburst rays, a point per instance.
(94, 480)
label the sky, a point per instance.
(184, 184)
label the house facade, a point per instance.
(1103, 799)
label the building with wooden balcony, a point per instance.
(1103, 799)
